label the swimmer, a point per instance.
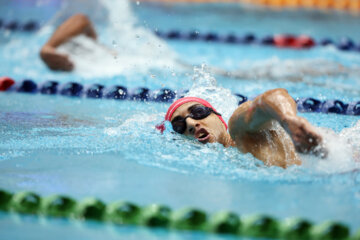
(267, 127)
(75, 46)
(63, 51)
(74, 26)
(79, 24)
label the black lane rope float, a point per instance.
(276, 40)
(161, 216)
(165, 95)
(14, 25)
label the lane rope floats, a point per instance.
(277, 40)
(161, 216)
(165, 95)
(14, 25)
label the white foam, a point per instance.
(290, 69)
(205, 86)
(343, 151)
(131, 48)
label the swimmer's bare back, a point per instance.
(250, 127)
(74, 26)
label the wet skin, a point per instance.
(74, 26)
(207, 130)
(252, 129)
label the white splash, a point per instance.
(136, 125)
(205, 86)
(343, 151)
(136, 48)
(288, 69)
(352, 138)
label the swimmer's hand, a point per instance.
(55, 60)
(305, 137)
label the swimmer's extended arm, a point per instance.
(254, 116)
(75, 25)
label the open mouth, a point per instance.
(202, 135)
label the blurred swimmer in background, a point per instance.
(72, 27)
(76, 41)
(121, 48)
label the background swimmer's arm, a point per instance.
(75, 25)
(252, 117)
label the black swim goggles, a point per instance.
(197, 112)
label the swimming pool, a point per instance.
(110, 149)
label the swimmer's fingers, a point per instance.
(55, 60)
(305, 142)
(61, 62)
(321, 151)
(309, 141)
(304, 136)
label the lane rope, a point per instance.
(161, 216)
(14, 25)
(277, 40)
(164, 95)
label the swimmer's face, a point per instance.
(207, 130)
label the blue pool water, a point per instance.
(110, 149)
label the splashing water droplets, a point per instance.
(202, 77)
(132, 41)
(205, 86)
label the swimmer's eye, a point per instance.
(176, 119)
(199, 112)
(179, 125)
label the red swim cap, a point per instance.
(182, 101)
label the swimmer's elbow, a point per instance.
(81, 18)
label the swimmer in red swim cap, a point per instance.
(252, 127)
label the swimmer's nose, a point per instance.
(192, 125)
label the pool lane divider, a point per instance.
(277, 40)
(161, 216)
(164, 95)
(14, 25)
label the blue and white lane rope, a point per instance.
(165, 95)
